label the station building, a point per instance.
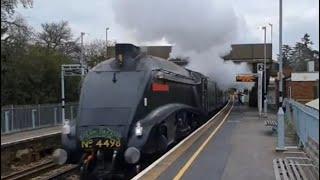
(303, 86)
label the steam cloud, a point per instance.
(202, 30)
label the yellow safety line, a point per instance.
(195, 155)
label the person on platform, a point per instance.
(239, 98)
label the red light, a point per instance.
(156, 87)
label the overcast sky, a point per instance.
(94, 16)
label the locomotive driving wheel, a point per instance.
(183, 127)
(163, 144)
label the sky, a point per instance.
(201, 30)
(94, 16)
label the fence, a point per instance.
(20, 118)
(305, 120)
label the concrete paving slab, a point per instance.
(13, 138)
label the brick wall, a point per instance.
(301, 91)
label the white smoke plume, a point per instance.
(202, 30)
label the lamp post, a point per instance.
(265, 73)
(280, 114)
(280, 55)
(271, 26)
(107, 42)
(82, 60)
(271, 40)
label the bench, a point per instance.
(271, 123)
(299, 168)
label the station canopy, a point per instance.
(250, 53)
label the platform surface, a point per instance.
(242, 149)
(14, 138)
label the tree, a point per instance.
(31, 63)
(306, 40)
(34, 78)
(18, 37)
(7, 12)
(286, 51)
(13, 48)
(298, 56)
(302, 53)
(95, 52)
(15, 32)
(55, 35)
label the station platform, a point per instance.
(19, 137)
(243, 148)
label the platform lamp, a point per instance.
(271, 26)
(280, 114)
(265, 72)
(271, 40)
(107, 42)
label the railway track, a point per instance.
(31, 171)
(63, 172)
(45, 170)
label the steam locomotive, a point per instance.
(133, 106)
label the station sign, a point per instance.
(246, 78)
(260, 67)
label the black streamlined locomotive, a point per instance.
(132, 106)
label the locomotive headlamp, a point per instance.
(138, 129)
(66, 129)
(160, 75)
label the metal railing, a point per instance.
(26, 117)
(304, 119)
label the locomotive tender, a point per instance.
(132, 106)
